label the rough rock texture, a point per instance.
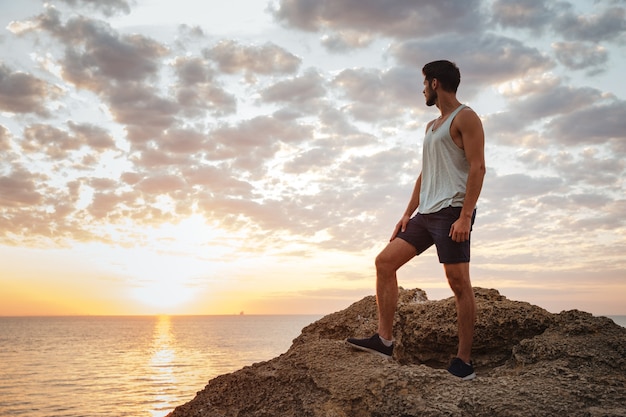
(529, 363)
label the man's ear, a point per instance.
(434, 83)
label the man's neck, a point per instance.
(447, 104)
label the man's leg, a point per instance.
(459, 280)
(396, 253)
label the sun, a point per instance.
(163, 297)
(163, 281)
(173, 268)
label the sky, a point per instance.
(161, 157)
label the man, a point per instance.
(445, 196)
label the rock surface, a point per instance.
(529, 363)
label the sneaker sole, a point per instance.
(364, 349)
(469, 377)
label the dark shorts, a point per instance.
(424, 230)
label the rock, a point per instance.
(529, 363)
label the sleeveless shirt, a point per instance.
(444, 169)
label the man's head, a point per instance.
(446, 73)
(447, 76)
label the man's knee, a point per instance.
(458, 278)
(383, 263)
(388, 262)
(396, 253)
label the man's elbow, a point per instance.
(479, 169)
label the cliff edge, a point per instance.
(529, 362)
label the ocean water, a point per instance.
(621, 320)
(127, 366)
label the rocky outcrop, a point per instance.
(529, 363)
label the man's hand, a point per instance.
(460, 230)
(400, 226)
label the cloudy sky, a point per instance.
(215, 157)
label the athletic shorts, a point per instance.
(424, 230)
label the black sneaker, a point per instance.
(372, 345)
(461, 369)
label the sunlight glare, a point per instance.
(181, 258)
(163, 295)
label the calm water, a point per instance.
(127, 366)
(621, 320)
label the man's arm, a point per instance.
(414, 202)
(472, 135)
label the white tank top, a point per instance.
(444, 169)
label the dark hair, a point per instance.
(446, 72)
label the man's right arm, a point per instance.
(414, 203)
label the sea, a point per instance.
(130, 366)
(140, 366)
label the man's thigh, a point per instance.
(395, 254)
(448, 251)
(417, 234)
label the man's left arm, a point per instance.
(470, 129)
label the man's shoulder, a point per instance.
(467, 110)
(466, 115)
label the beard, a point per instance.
(431, 98)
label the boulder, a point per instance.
(529, 363)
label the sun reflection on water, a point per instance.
(162, 364)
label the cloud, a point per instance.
(183, 141)
(94, 136)
(587, 166)
(116, 67)
(108, 7)
(311, 159)
(107, 58)
(533, 14)
(145, 114)
(543, 110)
(605, 24)
(252, 142)
(232, 57)
(297, 91)
(53, 141)
(193, 70)
(19, 188)
(102, 184)
(152, 158)
(483, 60)
(376, 95)
(198, 89)
(593, 169)
(553, 101)
(578, 55)
(217, 180)
(5, 143)
(104, 205)
(24, 93)
(57, 143)
(394, 18)
(603, 122)
(346, 41)
(608, 25)
(520, 186)
(96, 55)
(161, 184)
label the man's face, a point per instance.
(429, 93)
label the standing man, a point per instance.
(445, 196)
